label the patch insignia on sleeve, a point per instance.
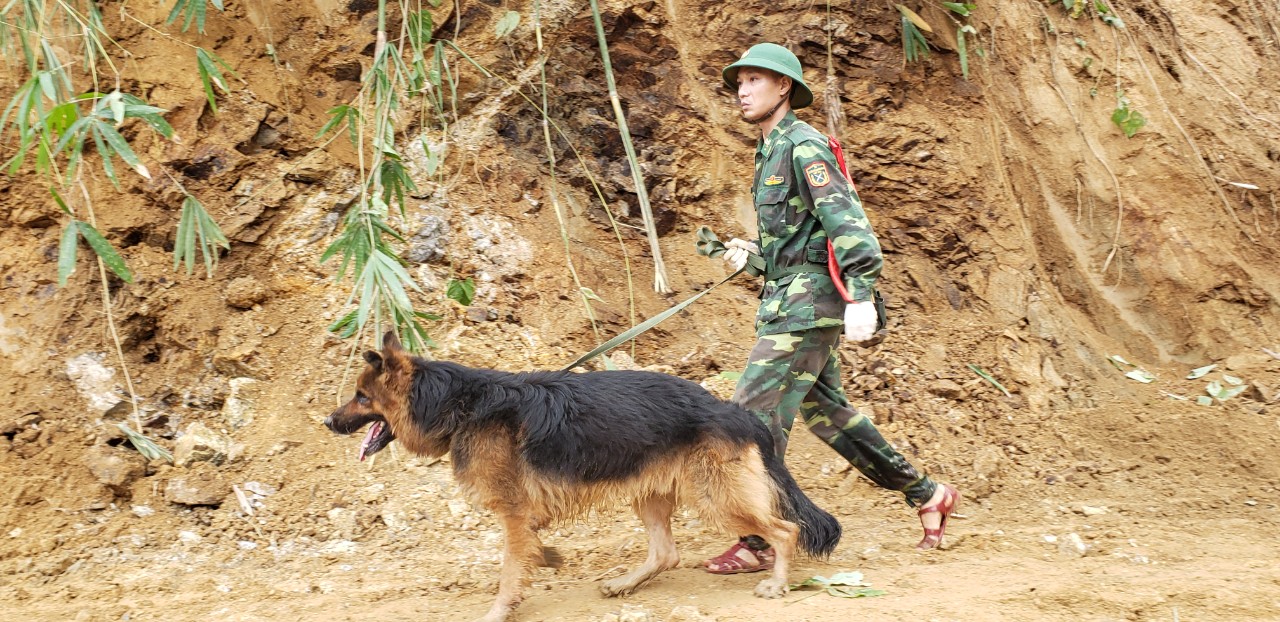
(817, 174)
(773, 180)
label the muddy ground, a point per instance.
(1024, 235)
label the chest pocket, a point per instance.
(776, 216)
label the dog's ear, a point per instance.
(391, 343)
(373, 359)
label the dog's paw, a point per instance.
(772, 588)
(617, 587)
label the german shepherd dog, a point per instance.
(540, 447)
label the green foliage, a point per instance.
(962, 48)
(197, 231)
(339, 115)
(207, 64)
(462, 291)
(914, 46)
(507, 24)
(1077, 8)
(1126, 118)
(962, 9)
(71, 235)
(194, 11)
(65, 128)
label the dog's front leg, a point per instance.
(521, 552)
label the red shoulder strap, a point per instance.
(833, 267)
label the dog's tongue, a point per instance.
(368, 438)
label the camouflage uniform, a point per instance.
(801, 197)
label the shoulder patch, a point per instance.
(773, 180)
(817, 174)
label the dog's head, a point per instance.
(381, 399)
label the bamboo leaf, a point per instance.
(105, 251)
(915, 19)
(62, 205)
(420, 25)
(67, 252)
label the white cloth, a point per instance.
(860, 321)
(738, 252)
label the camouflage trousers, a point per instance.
(799, 373)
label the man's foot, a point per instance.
(933, 515)
(740, 558)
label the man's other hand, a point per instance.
(859, 321)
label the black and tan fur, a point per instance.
(541, 447)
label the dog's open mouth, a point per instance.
(378, 437)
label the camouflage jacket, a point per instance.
(800, 198)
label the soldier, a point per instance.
(802, 199)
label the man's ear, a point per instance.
(390, 342)
(374, 360)
(788, 84)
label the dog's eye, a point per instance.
(362, 400)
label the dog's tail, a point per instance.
(819, 531)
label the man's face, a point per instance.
(759, 90)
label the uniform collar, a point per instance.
(765, 145)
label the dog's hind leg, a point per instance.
(521, 553)
(744, 502)
(655, 512)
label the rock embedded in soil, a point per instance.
(200, 444)
(114, 467)
(94, 381)
(946, 389)
(202, 486)
(245, 292)
(240, 405)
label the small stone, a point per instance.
(458, 507)
(481, 314)
(1246, 361)
(245, 292)
(1089, 510)
(946, 389)
(202, 487)
(189, 537)
(210, 394)
(1072, 546)
(142, 511)
(428, 244)
(242, 397)
(94, 381)
(115, 467)
(200, 444)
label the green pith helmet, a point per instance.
(773, 57)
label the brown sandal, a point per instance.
(729, 562)
(945, 506)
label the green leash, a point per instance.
(708, 245)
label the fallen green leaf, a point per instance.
(1204, 400)
(1201, 371)
(854, 592)
(1232, 380)
(1116, 360)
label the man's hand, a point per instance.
(739, 251)
(860, 321)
